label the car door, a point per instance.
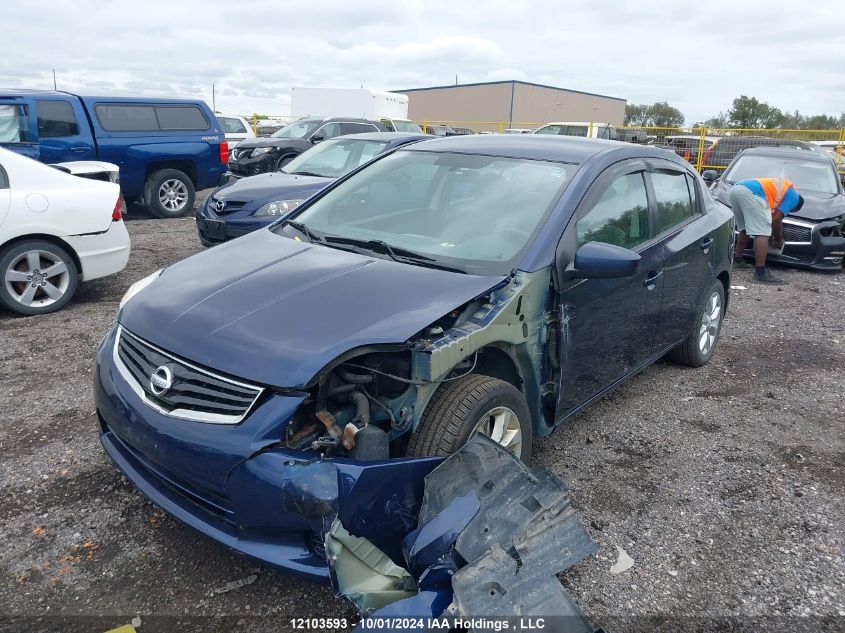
(5, 198)
(61, 135)
(607, 326)
(688, 239)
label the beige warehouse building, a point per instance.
(495, 105)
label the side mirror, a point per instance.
(597, 260)
(710, 176)
(317, 139)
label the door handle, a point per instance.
(79, 149)
(705, 243)
(652, 277)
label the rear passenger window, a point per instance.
(127, 118)
(55, 119)
(358, 128)
(14, 124)
(181, 118)
(672, 194)
(620, 217)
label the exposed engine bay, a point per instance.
(363, 406)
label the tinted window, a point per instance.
(297, 129)
(181, 118)
(55, 119)
(231, 125)
(14, 123)
(358, 128)
(620, 217)
(674, 204)
(127, 118)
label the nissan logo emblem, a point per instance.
(219, 205)
(161, 380)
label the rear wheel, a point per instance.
(469, 405)
(699, 346)
(37, 277)
(169, 193)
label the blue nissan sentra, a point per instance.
(319, 368)
(246, 204)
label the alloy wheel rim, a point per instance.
(37, 278)
(710, 319)
(501, 425)
(173, 194)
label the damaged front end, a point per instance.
(489, 539)
(364, 404)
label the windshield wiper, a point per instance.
(299, 226)
(305, 173)
(396, 253)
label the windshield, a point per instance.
(810, 175)
(231, 125)
(297, 129)
(406, 126)
(333, 159)
(476, 213)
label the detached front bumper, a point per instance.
(240, 486)
(813, 245)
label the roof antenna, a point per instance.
(54, 79)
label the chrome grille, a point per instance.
(241, 153)
(194, 393)
(796, 233)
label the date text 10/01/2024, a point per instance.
(420, 624)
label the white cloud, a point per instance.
(697, 56)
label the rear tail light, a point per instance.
(224, 152)
(119, 209)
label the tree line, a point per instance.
(745, 112)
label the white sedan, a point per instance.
(56, 229)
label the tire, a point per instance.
(458, 407)
(693, 352)
(169, 193)
(284, 160)
(36, 277)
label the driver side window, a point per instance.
(329, 130)
(620, 217)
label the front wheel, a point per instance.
(37, 277)
(169, 193)
(284, 160)
(699, 346)
(474, 404)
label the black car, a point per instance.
(247, 204)
(724, 149)
(814, 235)
(262, 155)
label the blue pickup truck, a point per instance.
(166, 149)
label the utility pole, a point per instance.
(54, 79)
(456, 80)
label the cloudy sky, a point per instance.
(697, 56)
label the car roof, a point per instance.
(21, 92)
(563, 149)
(329, 119)
(786, 152)
(385, 136)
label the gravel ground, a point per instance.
(724, 484)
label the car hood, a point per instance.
(820, 206)
(275, 310)
(817, 206)
(249, 143)
(268, 185)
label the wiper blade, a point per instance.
(396, 253)
(299, 226)
(304, 173)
